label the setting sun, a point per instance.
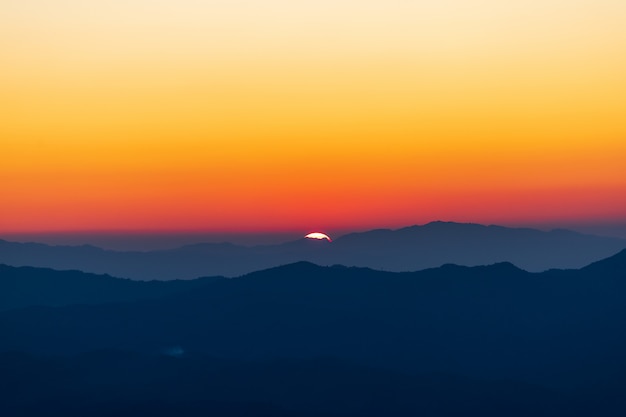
(318, 236)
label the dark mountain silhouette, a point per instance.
(303, 340)
(559, 328)
(409, 249)
(612, 266)
(108, 383)
(27, 286)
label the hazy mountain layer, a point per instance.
(408, 249)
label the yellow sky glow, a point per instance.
(123, 104)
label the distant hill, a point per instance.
(408, 249)
(560, 327)
(27, 286)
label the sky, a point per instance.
(281, 115)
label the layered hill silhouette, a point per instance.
(498, 321)
(408, 249)
(307, 340)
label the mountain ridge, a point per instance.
(406, 249)
(29, 286)
(561, 330)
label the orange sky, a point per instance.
(283, 115)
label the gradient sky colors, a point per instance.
(296, 115)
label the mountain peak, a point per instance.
(505, 267)
(300, 266)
